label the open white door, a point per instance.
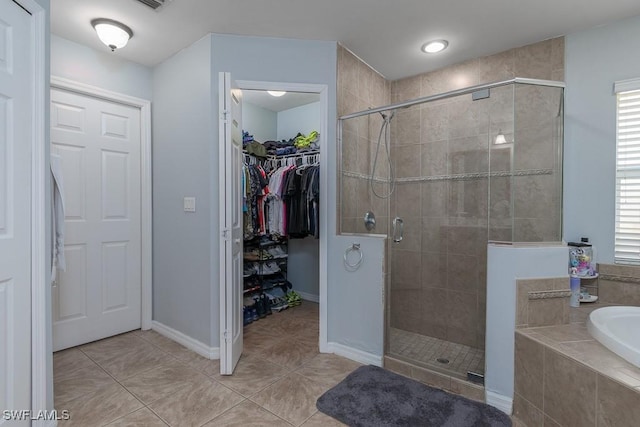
(230, 158)
(16, 134)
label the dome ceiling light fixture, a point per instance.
(112, 33)
(434, 46)
(276, 93)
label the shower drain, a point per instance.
(442, 360)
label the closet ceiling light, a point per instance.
(276, 93)
(112, 33)
(435, 46)
(500, 139)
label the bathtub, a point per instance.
(618, 329)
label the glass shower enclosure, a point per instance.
(442, 176)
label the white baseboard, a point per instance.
(309, 297)
(504, 403)
(191, 343)
(354, 354)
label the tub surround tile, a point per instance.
(529, 364)
(616, 405)
(524, 287)
(527, 412)
(546, 312)
(619, 270)
(569, 390)
(564, 333)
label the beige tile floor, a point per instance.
(144, 379)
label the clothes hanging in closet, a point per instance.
(287, 204)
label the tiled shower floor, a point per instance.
(425, 351)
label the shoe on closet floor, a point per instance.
(246, 316)
(266, 304)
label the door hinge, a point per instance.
(225, 234)
(227, 338)
(223, 115)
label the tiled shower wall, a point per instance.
(438, 277)
(359, 88)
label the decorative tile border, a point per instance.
(549, 294)
(455, 177)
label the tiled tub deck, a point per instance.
(563, 377)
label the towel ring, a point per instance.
(353, 248)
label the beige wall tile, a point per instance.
(435, 195)
(408, 157)
(496, 67)
(434, 313)
(406, 272)
(546, 312)
(619, 292)
(569, 390)
(534, 61)
(435, 157)
(463, 273)
(434, 270)
(462, 318)
(619, 270)
(408, 200)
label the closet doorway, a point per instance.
(284, 254)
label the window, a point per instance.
(627, 233)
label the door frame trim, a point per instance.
(145, 180)
(41, 388)
(323, 91)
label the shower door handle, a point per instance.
(398, 229)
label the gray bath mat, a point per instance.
(372, 396)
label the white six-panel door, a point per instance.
(99, 294)
(16, 121)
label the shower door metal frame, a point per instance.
(424, 100)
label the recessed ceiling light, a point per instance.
(434, 46)
(276, 93)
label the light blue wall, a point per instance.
(280, 60)
(182, 157)
(259, 122)
(102, 69)
(594, 60)
(300, 119)
(304, 254)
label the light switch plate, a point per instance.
(189, 204)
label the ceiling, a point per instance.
(276, 104)
(386, 34)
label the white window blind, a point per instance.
(627, 234)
